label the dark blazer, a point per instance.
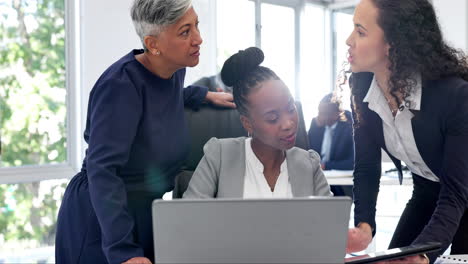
(441, 133)
(342, 147)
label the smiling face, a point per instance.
(272, 116)
(368, 50)
(179, 43)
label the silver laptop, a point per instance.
(299, 230)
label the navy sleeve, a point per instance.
(368, 155)
(453, 197)
(367, 170)
(115, 111)
(346, 152)
(346, 164)
(194, 96)
(315, 135)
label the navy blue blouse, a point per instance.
(137, 140)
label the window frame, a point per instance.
(75, 151)
(297, 6)
(330, 7)
(334, 8)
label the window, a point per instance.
(342, 23)
(38, 122)
(224, 33)
(234, 31)
(278, 42)
(292, 34)
(37, 139)
(314, 73)
(33, 82)
(28, 214)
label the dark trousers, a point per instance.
(140, 207)
(342, 190)
(419, 211)
(78, 238)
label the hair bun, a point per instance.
(240, 64)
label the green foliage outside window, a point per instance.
(32, 113)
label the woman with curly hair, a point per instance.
(410, 98)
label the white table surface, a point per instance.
(345, 177)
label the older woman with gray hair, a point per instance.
(136, 138)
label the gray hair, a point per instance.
(150, 17)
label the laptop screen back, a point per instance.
(299, 230)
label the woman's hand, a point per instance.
(220, 99)
(138, 260)
(359, 238)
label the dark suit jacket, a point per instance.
(342, 147)
(440, 130)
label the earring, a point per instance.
(156, 52)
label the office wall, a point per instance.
(106, 35)
(453, 19)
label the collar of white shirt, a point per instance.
(375, 95)
(332, 127)
(254, 161)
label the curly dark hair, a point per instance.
(416, 46)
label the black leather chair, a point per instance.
(211, 121)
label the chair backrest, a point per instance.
(211, 121)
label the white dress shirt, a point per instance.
(398, 131)
(255, 184)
